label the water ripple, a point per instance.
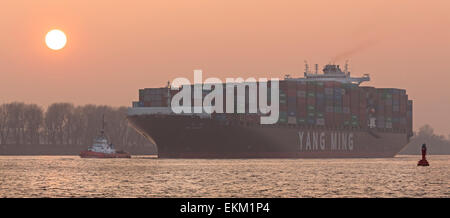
(146, 176)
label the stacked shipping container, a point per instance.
(330, 103)
(301, 103)
(320, 104)
(283, 116)
(311, 103)
(338, 93)
(292, 102)
(157, 97)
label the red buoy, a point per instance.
(424, 161)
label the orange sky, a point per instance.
(116, 47)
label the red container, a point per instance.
(363, 121)
(403, 102)
(311, 101)
(292, 88)
(328, 84)
(346, 100)
(363, 112)
(147, 104)
(301, 104)
(354, 101)
(283, 84)
(329, 119)
(301, 85)
(388, 108)
(338, 119)
(301, 113)
(310, 87)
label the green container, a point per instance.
(282, 120)
(386, 96)
(301, 120)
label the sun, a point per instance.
(56, 39)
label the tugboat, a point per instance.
(102, 149)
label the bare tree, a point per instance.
(78, 125)
(33, 120)
(16, 121)
(57, 123)
(4, 119)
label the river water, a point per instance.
(146, 176)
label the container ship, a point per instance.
(322, 115)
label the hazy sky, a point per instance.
(116, 47)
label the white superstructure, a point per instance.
(101, 145)
(331, 72)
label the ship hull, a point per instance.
(191, 137)
(92, 154)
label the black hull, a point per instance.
(191, 137)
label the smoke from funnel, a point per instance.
(359, 48)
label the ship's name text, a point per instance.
(316, 141)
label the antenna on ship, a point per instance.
(103, 125)
(346, 68)
(168, 93)
(306, 67)
(317, 68)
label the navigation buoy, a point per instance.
(424, 161)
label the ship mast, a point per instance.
(102, 131)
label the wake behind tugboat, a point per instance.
(102, 149)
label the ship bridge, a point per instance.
(331, 72)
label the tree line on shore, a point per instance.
(65, 124)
